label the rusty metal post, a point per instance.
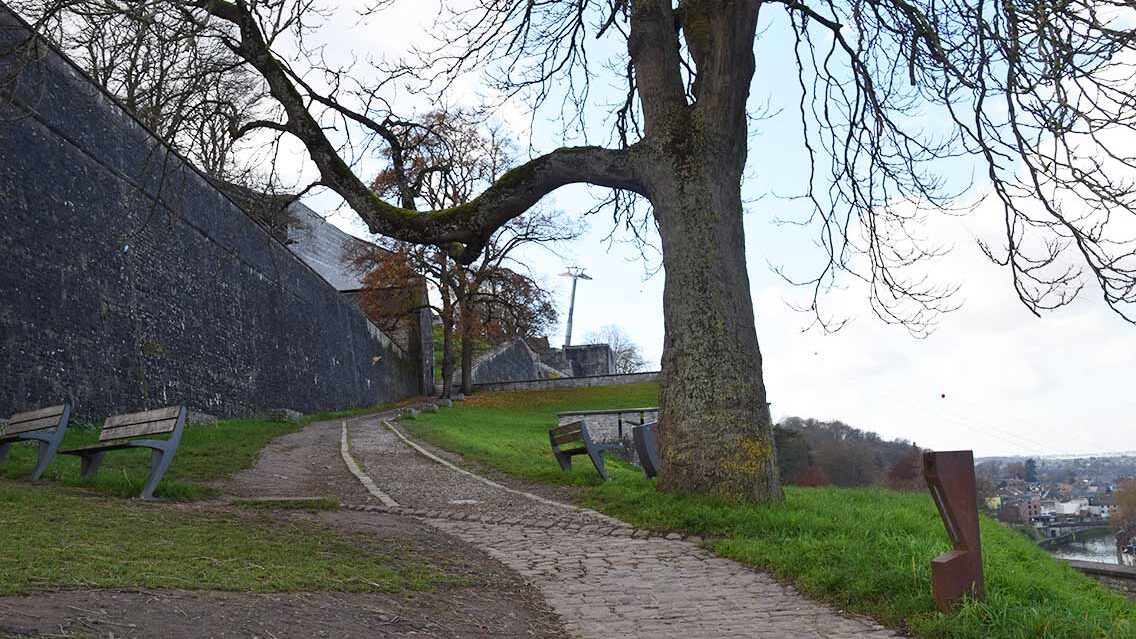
(958, 573)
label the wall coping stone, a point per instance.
(1107, 570)
(610, 411)
(569, 382)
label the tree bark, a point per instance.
(715, 429)
(715, 435)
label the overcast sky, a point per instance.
(992, 377)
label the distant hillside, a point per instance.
(814, 452)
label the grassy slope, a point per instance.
(68, 539)
(866, 550)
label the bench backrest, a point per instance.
(150, 422)
(40, 419)
(567, 434)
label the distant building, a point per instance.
(1073, 507)
(584, 360)
(1103, 506)
(1020, 510)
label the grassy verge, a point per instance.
(865, 550)
(59, 538)
(205, 453)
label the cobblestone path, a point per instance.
(601, 576)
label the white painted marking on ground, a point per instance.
(490, 482)
(359, 474)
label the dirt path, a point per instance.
(498, 603)
(301, 464)
(177, 614)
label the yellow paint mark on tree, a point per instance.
(751, 458)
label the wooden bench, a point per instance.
(44, 426)
(577, 432)
(121, 432)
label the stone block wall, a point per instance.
(588, 360)
(569, 382)
(512, 360)
(127, 281)
(1121, 579)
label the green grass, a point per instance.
(349, 412)
(55, 537)
(864, 550)
(205, 453)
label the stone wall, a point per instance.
(128, 281)
(512, 360)
(570, 382)
(589, 360)
(585, 360)
(1121, 579)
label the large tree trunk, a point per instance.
(715, 432)
(715, 436)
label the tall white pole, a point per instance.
(576, 273)
(571, 310)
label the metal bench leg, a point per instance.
(46, 452)
(4, 450)
(159, 462)
(89, 464)
(598, 461)
(565, 461)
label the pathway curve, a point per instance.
(601, 576)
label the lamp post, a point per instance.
(576, 273)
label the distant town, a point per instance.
(1069, 505)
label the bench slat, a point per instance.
(42, 423)
(157, 414)
(574, 427)
(36, 415)
(134, 430)
(567, 437)
(111, 446)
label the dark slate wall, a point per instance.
(126, 281)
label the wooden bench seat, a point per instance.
(45, 426)
(123, 431)
(578, 432)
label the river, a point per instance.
(1100, 548)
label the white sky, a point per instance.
(1013, 383)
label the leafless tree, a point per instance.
(183, 84)
(498, 297)
(1040, 93)
(442, 160)
(628, 357)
